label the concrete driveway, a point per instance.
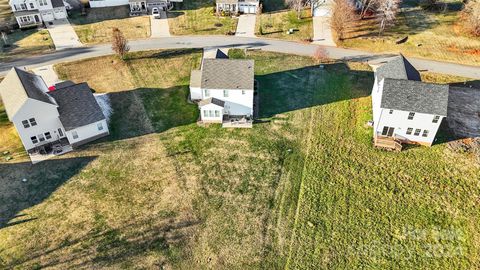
(322, 33)
(246, 25)
(159, 27)
(63, 35)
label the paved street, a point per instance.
(246, 25)
(232, 41)
(63, 35)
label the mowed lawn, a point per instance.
(303, 190)
(276, 25)
(432, 35)
(198, 18)
(97, 25)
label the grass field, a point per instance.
(198, 18)
(26, 43)
(433, 35)
(276, 24)
(303, 190)
(97, 25)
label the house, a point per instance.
(405, 109)
(31, 13)
(237, 6)
(224, 91)
(51, 122)
(142, 7)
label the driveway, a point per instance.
(246, 25)
(159, 27)
(63, 35)
(322, 33)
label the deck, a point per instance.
(237, 122)
(49, 150)
(387, 143)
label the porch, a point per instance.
(28, 18)
(388, 143)
(240, 121)
(49, 150)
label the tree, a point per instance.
(471, 15)
(366, 6)
(343, 15)
(119, 43)
(320, 55)
(387, 13)
(297, 6)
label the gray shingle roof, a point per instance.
(57, 3)
(77, 106)
(398, 68)
(211, 100)
(227, 74)
(414, 96)
(34, 86)
(26, 12)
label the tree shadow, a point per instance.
(41, 180)
(164, 54)
(301, 88)
(94, 15)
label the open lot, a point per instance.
(97, 25)
(432, 35)
(198, 18)
(304, 189)
(26, 43)
(276, 24)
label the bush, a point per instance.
(471, 16)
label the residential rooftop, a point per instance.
(227, 74)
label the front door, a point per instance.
(388, 131)
(37, 19)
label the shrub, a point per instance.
(471, 16)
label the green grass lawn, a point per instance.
(276, 24)
(432, 35)
(198, 18)
(303, 190)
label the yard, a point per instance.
(97, 25)
(25, 43)
(303, 189)
(276, 24)
(198, 18)
(432, 35)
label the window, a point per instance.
(217, 113)
(100, 126)
(43, 2)
(409, 131)
(60, 132)
(33, 122)
(74, 134)
(390, 112)
(225, 93)
(48, 136)
(210, 113)
(25, 124)
(388, 131)
(32, 6)
(23, 6)
(41, 137)
(435, 119)
(205, 113)
(411, 115)
(417, 132)
(425, 133)
(207, 92)
(243, 92)
(385, 130)
(34, 139)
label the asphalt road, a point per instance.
(240, 42)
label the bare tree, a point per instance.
(471, 14)
(320, 55)
(119, 43)
(343, 15)
(387, 13)
(297, 6)
(366, 6)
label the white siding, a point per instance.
(107, 3)
(211, 108)
(376, 101)
(236, 103)
(86, 132)
(46, 116)
(195, 93)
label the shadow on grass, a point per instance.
(94, 15)
(41, 181)
(165, 54)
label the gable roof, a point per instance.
(398, 68)
(20, 85)
(414, 96)
(211, 100)
(227, 74)
(77, 106)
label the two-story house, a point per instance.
(30, 13)
(224, 90)
(51, 121)
(237, 6)
(406, 110)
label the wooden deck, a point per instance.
(387, 143)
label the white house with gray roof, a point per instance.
(30, 13)
(224, 91)
(405, 109)
(51, 121)
(237, 6)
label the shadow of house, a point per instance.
(41, 181)
(310, 86)
(99, 14)
(463, 119)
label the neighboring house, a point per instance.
(237, 6)
(406, 110)
(107, 3)
(51, 122)
(141, 7)
(30, 13)
(224, 91)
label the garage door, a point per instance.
(60, 14)
(48, 16)
(252, 9)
